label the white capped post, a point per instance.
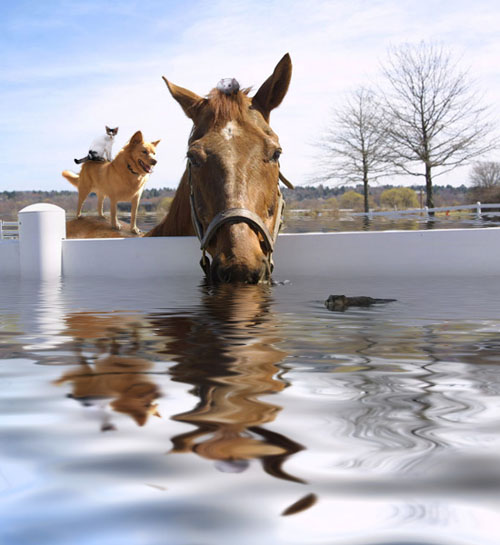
(42, 227)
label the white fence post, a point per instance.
(478, 210)
(42, 227)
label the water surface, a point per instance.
(168, 412)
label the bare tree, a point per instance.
(485, 181)
(485, 174)
(353, 148)
(434, 118)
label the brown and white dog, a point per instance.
(122, 179)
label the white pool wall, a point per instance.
(461, 252)
(43, 251)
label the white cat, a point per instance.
(100, 149)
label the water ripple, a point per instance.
(131, 416)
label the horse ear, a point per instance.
(274, 89)
(188, 100)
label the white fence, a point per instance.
(9, 229)
(478, 209)
(43, 252)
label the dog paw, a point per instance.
(136, 231)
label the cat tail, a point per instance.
(82, 160)
(71, 177)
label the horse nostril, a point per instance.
(224, 275)
(219, 272)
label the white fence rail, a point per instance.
(9, 229)
(479, 209)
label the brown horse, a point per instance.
(229, 194)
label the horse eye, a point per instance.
(191, 157)
(276, 156)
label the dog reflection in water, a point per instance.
(117, 378)
(227, 352)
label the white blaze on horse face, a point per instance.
(230, 130)
(234, 183)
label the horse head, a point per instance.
(232, 175)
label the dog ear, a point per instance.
(137, 139)
(190, 102)
(156, 143)
(274, 89)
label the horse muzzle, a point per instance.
(247, 270)
(230, 263)
(228, 271)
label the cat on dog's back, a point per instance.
(100, 149)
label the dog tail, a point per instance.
(71, 177)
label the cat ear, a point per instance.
(137, 139)
(156, 143)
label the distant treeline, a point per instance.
(158, 200)
(300, 193)
(319, 196)
(43, 195)
(12, 201)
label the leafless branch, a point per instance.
(432, 114)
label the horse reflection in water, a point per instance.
(227, 353)
(117, 378)
(225, 349)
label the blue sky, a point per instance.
(67, 68)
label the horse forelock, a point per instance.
(218, 109)
(227, 108)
